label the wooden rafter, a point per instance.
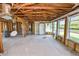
(42, 10)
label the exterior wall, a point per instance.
(69, 43)
(77, 47)
(61, 39)
(25, 25)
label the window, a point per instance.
(48, 27)
(74, 27)
(61, 24)
(54, 27)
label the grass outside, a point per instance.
(73, 36)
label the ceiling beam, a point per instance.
(23, 6)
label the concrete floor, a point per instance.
(35, 45)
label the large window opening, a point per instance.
(48, 27)
(41, 28)
(61, 24)
(54, 27)
(74, 27)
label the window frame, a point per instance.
(69, 23)
(62, 19)
(54, 28)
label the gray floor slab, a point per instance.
(34, 45)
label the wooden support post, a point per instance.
(1, 44)
(65, 29)
(8, 26)
(11, 26)
(17, 27)
(8, 29)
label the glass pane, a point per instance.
(61, 27)
(55, 26)
(48, 27)
(74, 28)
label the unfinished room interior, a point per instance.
(39, 29)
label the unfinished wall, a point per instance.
(25, 25)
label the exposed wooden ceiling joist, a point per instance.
(44, 11)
